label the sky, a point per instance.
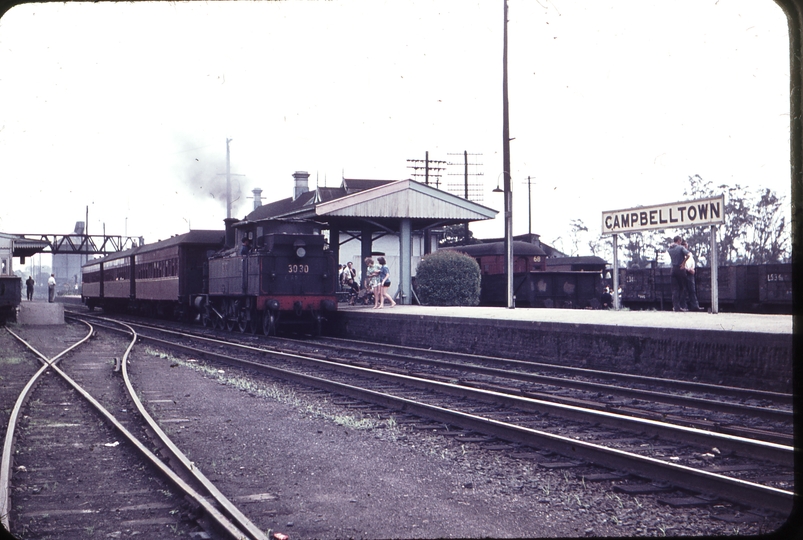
(123, 110)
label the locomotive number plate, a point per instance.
(298, 269)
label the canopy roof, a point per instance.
(25, 247)
(380, 202)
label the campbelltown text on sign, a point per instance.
(695, 213)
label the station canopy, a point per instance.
(25, 247)
(382, 204)
(363, 209)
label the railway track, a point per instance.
(80, 454)
(711, 407)
(691, 465)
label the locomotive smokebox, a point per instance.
(230, 231)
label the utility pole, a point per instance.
(471, 192)
(228, 179)
(530, 205)
(427, 167)
(506, 171)
(86, 233)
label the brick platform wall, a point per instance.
(744, 359)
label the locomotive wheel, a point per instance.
(318, 326)
(231, 314)
(206, 320)
(255, 323)
(216, 320)
(244, 320)
(269, 323)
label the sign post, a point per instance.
(615, 292)
(714, 272)
(696, 213)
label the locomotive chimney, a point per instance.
(302, 183)
(257, 197)
(230, 232)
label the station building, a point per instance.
(397, 219)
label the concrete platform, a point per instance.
(727, 348)
(40, 313)
(720, 322)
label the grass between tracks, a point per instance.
(279, 393)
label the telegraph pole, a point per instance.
(429, 165)
(506, 172)
(530, 205)
(471, 192)
(228, 179)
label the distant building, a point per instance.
(67, 267)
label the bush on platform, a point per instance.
(448, 278)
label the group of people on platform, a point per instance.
(51, 288)
(377, 281)
(606, 301)
(684, 284)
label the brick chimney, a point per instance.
(302, 183)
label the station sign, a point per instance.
(696, 213)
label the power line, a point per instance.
(471, 191)
(428, 165)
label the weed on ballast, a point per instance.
(278, 394)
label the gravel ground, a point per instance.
(299, 463)
(327, 471)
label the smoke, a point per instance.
(202, 169)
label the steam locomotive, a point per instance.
(286, 278)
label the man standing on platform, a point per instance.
(51, 288)
(691, 282)
(678, 254)
(29, 283)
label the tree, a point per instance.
(642, 248)
(633, 246)
(755, 229)
(769, 241)
(455, 235)
(732, 234)
(578, 229)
